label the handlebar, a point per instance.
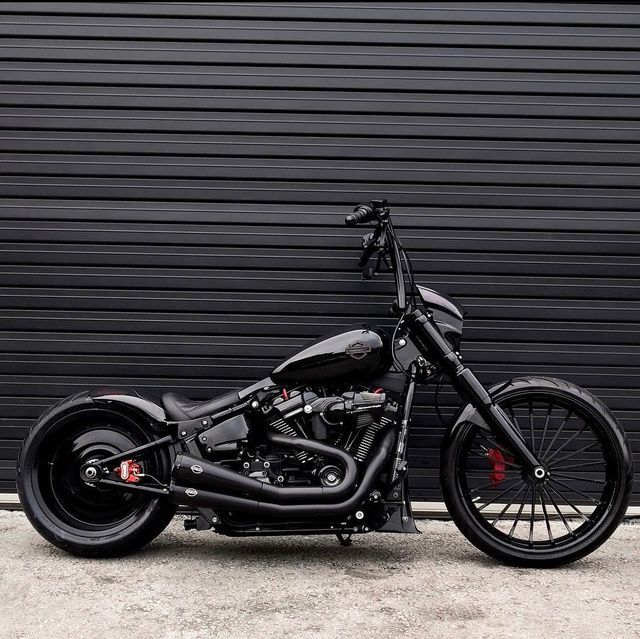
(362, 214)
(384, 241)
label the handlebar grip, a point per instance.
(361, 214)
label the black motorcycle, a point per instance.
(535, 471)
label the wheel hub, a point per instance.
(538, 477)
(539, 473)
(91, 472)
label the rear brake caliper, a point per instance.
(129, 471)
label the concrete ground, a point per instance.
(189, 585)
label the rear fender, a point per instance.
(125, 399)
(129, 399)
(80, 401)
(129, 404)
(121, 400)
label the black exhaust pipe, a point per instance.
(195, 472)
(189, 496)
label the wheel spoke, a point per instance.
(533, 440)
(519, 513)
(565, 476)
(596, 462)
(564, 499)
(573, 454)
(479, 472)
(504, 510)
(532, 516)
(515, 419)
(553, 501)
(506, 490)
(546, 426)
(486, 457)
(575, 490)
(576, 434)
(483, 487)
(495, 445)
(567, 417)
(546, 518)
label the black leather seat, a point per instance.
(181, 408)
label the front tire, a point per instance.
(523, 522)
(80, 518)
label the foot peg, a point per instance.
(197, 523)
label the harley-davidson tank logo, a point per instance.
(358, 350)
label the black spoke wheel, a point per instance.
(83, 517)
(522, 520)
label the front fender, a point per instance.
(469, 413)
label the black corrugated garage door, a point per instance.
(174, 178)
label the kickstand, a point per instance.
(345, 540)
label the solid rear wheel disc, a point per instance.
(76, 515)
(82, 505)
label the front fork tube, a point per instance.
(429, 338)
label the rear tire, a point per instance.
(590, 467)
(80, 518)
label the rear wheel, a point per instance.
(80, 517)
(524, 521)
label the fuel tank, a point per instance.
(353, 356)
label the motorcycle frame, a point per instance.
(433, 348)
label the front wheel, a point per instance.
(522, 521)
(86, 519)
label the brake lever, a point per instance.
(369, 272)
(371, 243)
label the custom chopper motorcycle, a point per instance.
(535, 471)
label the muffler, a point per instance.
(198, 473)
(191, 496)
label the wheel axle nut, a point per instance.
(539, 472)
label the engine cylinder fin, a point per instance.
(366, 441)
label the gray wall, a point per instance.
(174, 179)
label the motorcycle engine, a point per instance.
(351, 421)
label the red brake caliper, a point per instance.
(129, 471)
(498, 467)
